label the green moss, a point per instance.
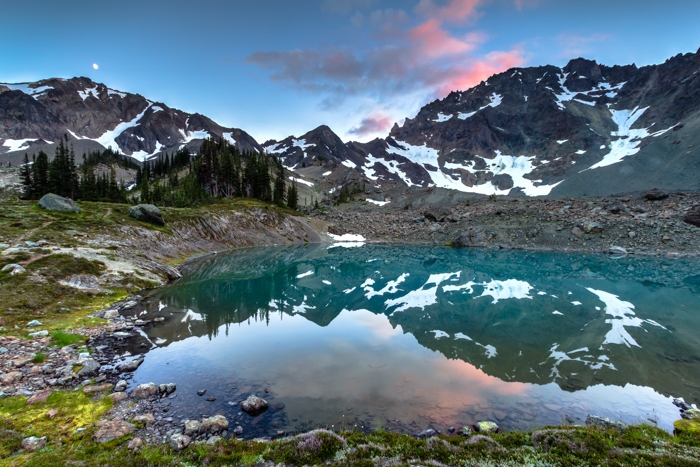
(62, 339)
(62, 266)
(688, 427)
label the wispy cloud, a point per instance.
(523, 4)
(573, 45)
(376, 123)
(403, 53)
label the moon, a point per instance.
(94, 65)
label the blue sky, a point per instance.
(276, 68)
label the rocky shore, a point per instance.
(655, 223)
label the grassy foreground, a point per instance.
(70, 443)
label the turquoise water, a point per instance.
(408, 337)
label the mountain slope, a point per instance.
(585, 129)
(93, 116)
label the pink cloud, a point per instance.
(377, 123)
(431, 41)
(455, 11)
(522, 4)
(480, 70)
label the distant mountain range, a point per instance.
(585, 129)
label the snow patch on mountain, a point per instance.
(496, 100)
(24, 87)
(443, 118)
(89, 92)
(17, 144)
(108, 138)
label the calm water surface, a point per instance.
(414, 337)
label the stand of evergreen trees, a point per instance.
(220, 170)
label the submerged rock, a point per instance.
(604, 422)
(52, 202)
(147, 213)
(254, 404)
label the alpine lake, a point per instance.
(408, 338)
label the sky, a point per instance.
(280, 68)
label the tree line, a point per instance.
(219, 170)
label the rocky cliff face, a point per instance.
(33, 115)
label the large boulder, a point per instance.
(53, 202)
(215, 424)
(693, 216)
(147, 213)
(471, 237)
(145, 391)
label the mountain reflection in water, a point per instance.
(429, 335)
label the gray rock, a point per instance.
(656, 195)
(146, 419)
(130, 366)
(617, 250)
(90, 368)
(254, 404)
(135, 444)
(30, 244)
(429, 433)
(144, 391)
(14, 269)
(39, 334)
(147, 213)
(592, 227)
(604, 422)
(215, 424)
(53, 202)
(238, 431)
(690, 414)
(472, 237)
(438, 214)
(486, 427)
(213, 440)
(33, 443)
(86, 282)
(33, 323)
(111, 314)
(179, 442)
(111, 430)
(120, 386)
(192, 427)
(692, 217)
(4, 246)
(166, 389)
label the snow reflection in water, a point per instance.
(429, 336)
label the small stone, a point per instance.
(130, 366)
(118, 396)
(144, 391)
(238, 431)
(38, 334)
(656, 195)
(429, 433)
(254, 404)
(192, 427)
(213, 440)
(135, 444)
(34, 323)
(111, 314)
(120, 386)
(179, 442)
(39, 397)
(486, 427)
(14, 269)
(51, 413)
(210, 399)
(95, 389)
(632, 234)
(146, 419)
(111, 430)
(166, 389)
(690, 414)
(604, 422)
(617, 250)
(215, 424)
(201, 392)
(90, 368)
(592, 227)
(451, 429)
(33, 443)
